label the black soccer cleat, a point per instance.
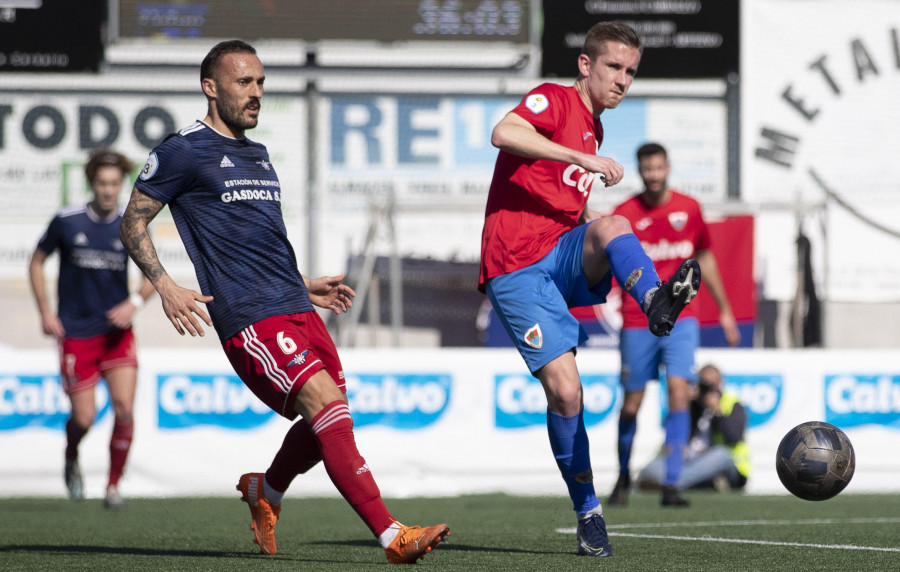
(592, 537)
(672, 297)
(670, 497)
(619, 495)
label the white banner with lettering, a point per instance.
(429, 422)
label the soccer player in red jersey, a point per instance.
(670, 227)
(94, 316)
(225, 198)
(539, 257)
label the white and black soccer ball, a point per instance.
(815, 461)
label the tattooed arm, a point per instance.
(180, 304)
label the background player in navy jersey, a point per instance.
(537, 260)
(94, 314)
(225, 198)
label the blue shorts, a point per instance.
(533, 302)
(643, 353)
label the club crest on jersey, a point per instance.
(533, 337)
(298, 358)
(678, 219)
(537, 102)
(265, 165)
(633, 279)
(150, 167)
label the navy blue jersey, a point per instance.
(93, 268)
(225, 199)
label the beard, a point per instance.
(231, 112)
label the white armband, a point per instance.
(137, 301)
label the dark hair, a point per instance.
(709, 382)
(648, 149)
(106, 158)
(602, 32)
(215, 55)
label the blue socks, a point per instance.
(633, 269)
(678, 427)
(627, 429)
(569, 442)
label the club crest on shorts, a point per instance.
(533, 337)
(632, 279)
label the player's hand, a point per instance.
(121, 315)
(52, 326)
(180, 305)
(328, 292)
(611, 171)
(729, 325)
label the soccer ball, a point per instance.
(815, 461)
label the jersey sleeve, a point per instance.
(542, 107)
(169, 170)
(50, 241)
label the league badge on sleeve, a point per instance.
(537, 102)
(150, 167)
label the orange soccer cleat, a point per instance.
(414, 542)
(263, 513)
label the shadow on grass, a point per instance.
(442, 547)
(124, 550)
(89, 551)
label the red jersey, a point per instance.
(533, 201)
(669, 233)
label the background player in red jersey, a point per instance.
(225, 198)
(670, 226)
(94, 315)
(537, 261)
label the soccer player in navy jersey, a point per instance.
(225, 198)
(94, 316)
(544, 252)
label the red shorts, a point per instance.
(83, 360)
(275, 356)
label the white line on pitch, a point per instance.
(763, 542)
(881, 520)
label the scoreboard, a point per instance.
(683, 39)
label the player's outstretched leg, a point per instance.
(348, 470)
(672, 296)
(412, 543)
(264, 515)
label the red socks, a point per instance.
(119, 445)
(333, 427)
(299, 453)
